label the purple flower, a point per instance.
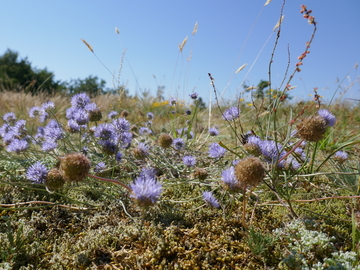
(209, 198)
(35, 111)
(145, 189)
(188, 112)
(172, 101)
(48, 146)
(118, 156)
(91, 107)
(271, 151)
(108, 146)
(341, 155)
(17, 146)
(213, 131)
(329, 118)
(228, 177)
(9, 117)
(37, 173)
(104, 131)
(73, 126)
(231, 113)
(144, 131)
(79, 101)
(194, 95)
(178, 143)
(189, 161)
(150, 115)
(48, 105)
(100, 167)
(216, 151)
(53, 131)
(112, 114)
(19, 128)
(121, 124)
(81, 117)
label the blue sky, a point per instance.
(230, 33)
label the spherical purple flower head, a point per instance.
(150, 115)
(48, 146)
(53, 131)
(216, 151)
(17, 146)
(9, 137)
(124, 139)
(231, 114)
(118, 156)
(329, 118)
(73, 126)
(229, 178)
(172, 101)
(189, 161)
(144, 131)
(341, 156)
(178, 143)
(188, 112)
(108, 147)
(145, 189)
(100, 167)
(289, 163)
(271, 150)
(213, 131)
(20, 128)
(104, 131)
(91, 107)
(194, 95)
(121, 124)
(80, 100)
(40, 133)
(9, 118)
(4, 129)
(210, 199)
(48, 105)
(35, 111)
(37, 173)
(81, 116)
(112, 114)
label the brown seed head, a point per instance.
(54, 180)
(74, 167)
(312, 129)
(200, 173)
(249, 171)
(165, 140)
(95, 115)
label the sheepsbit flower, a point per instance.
(9, 117)
(213, 131)
(229, 179)
(178, 143)
(37, 173)
(108, 147)
(216, 151)
(172, 101)
(189, 161)
(118, 156)
(100, 167)
(79, 101)
(17, 146)
(150, 115)
(73, 126)
(112, 114)
(194, 95)
(93, 111)
(188, 112)
(341, 156)
(271, 150)
(231, 114)
(53, 131)
(48, 105)
(210, 199)
(104, 131)
(145, 189)
(121, 124)
(141, 151)
(19, 128)
(329, 117)
(82, 117)
(48, 146)
(145, 131)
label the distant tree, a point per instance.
(200, 103)
(91, 85)
(15, 72)
(260, 88)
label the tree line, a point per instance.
(19, 75)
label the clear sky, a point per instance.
(230, 33)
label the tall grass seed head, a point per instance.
(312, 129)
(165, 140)
(74, 167)
(54, 180)
(249, 171)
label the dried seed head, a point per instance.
(74, 167)
(95, 115)
(165, 140)
(252, 149)
(312, 129)
(200, 173)
(249, 171)
(54, 180)
(124, 113)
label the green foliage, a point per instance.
(18, 74)
(91, 85)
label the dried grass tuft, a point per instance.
(88, 45)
